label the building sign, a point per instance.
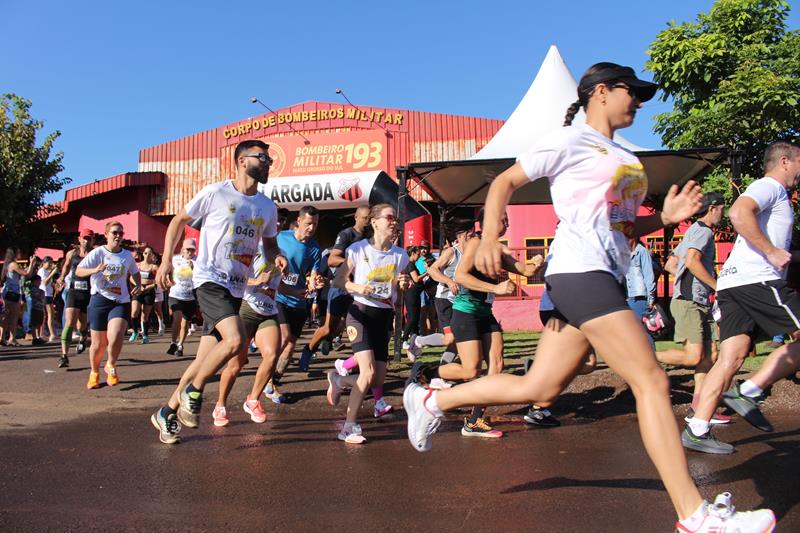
(267, 124)
(335, 191)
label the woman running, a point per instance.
(182, 300)
(412, 298)
(48, 273)
(142, 304)
(377, 268)
(109, 268)
(597, 187)
(78, 293)
(12, 293)
(158, 304)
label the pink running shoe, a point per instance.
(381, 408)
(254, 409)
(220, 416)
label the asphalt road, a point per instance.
(77, 460)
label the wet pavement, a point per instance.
(77, 460)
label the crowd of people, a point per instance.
(253, 284)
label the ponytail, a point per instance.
(572, 110)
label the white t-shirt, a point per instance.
(597, 187)
(111, 283)
(182, 279)
(233, 225)
(746, 264)
(262, 298)
(377, 268)
(48, 288)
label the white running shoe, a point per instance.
(334, 389)
(351, 433)
(422, 424)
(340, 369)
(406, 346)
(721, 516)
(381, 408)
(439, 384)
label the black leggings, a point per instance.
(413, 308)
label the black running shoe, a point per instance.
(172, 348)
(179, 351)
(63, 362)
(541, 418)
(422, 373)
(325, 346)
(747, 407)
(80, 347)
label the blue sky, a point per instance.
(115, 77)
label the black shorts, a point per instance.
(338, 302)
(369, 328)
(468, 327)
(48, 300)
(769, 305)
(147, 297)
(580, 297)
(444, 310)
(187, 307)
(294, 317)
(37, 318)
(78, 300)
(12, 297)
(102, 310)
(216, 303)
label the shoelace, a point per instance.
(195, 402)
(172, 424)
(481, 423)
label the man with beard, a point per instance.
(236, 217)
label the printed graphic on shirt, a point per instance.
(629, 189)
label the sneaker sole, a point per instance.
(219, 423)
(713, 421)
(153, 421)
(188, 422)
(252, 416)
(352, 439)
(750, 413)
(329, 394)
(411, 414)
(538, 423)
(487, 435)
(376, 414)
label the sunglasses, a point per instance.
(631, 91)
(264, 158)
(117, 233)
(389, 218)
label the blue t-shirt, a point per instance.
(303, 258)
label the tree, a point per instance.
(27, 173)
(734, 81)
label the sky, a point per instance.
(116, 77)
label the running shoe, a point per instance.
(305, 358)
(480, 428)
(80, 347)
(721, 516)
(254, 409)
(717, 418)
(161, 330)
(111, 375)
(337, 343)
(145, 339)
(325, 346)
(541, 418)
(422, 373)
(747, 407)
(38, 341)
(422, 424)
(253, 348)
(406, 346)
(220, 416)
(179, 351)
(94, 380)
(351, 433)
(334, 389)
(169, 428)
(173, 347)
(63, 361)
(412, 350)
(381, 408)
(133, 337)
(189, 410)
(272, 393)
(705, 443)
(439, 384)
(340, 369)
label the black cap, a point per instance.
(645, 90)
(709, 199)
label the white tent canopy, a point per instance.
(540, 111)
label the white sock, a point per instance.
(432, 406)
(434, 339)
(693, 521)
(699, 427)
(448, 357)
(748, 388)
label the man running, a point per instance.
(236, 217)
(182, 301)
(751, 290)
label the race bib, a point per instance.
(145, 274)
(381, 289)
(80, 285)
(291, 279)
(715, 312)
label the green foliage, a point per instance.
(27, 173)
(734, 79)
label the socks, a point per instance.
(350, 363)
(699, 427)
(66, 336)
(748, 388)
(477, 412)
(693, 521)
(447, 358)
(191, 388)
(431, 405)
(166, 411)
(377, 393)
(434, 339)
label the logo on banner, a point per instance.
(278, 158)
(350, 189)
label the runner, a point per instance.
(695, 282)
(78, 294)
(48, 273)
(259, 313)
(142, 306)
(236, 217)
(182, 301)
(338, 299)
(752, 293)
(597, 187)
(109, 268)
(12, 293)
(158, 304)
(376, 266)
(303, 254)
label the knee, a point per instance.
(235, 343)
(693, 357)
(470, 373)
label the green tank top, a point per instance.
(474, 302)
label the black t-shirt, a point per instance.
(344, 239)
